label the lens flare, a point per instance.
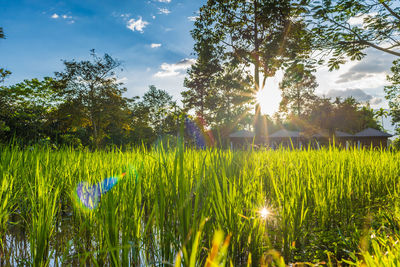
(265, 213)
(88, 196)
(196, 131)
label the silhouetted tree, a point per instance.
(259, 34)
(347, 28)
(26, 108)
(298, 87)
(94, 97)
(393, 93)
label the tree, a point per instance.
(381, 113)
(154, 117)
(298, 87)
(321, 115)
(340, 115)
(3, 75)
(200, 80)
(159, 104)
(259, 34)
(233, 88)
(347, 28)
(93, 96)
(368, 119)
(26, 108)
(3, 72)
(393, 93)
(141, 128)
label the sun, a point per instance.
(269, 100)
(270, 96)
(265, 213)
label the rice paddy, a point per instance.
(190, 207)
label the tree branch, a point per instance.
(380, 48)
(391, 11)
(362, 41)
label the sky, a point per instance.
(152, 40)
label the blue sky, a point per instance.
(152, 39)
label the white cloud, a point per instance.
(175, 69)
(376, 101)
(164, 1)
(368, 74)
(154, 17)
(155, 45)
(358, 94)
(359, 19)
(136, 25)
(122, 80)
(69, 19)
(193, 18)
(375, 64)
(164, 11)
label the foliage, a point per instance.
(346, 28)
(222, 98)
(322, 205)
(342, 114)
(93, 96)
(233, 97)
(257, 34)
(298, 87)
(201, 79)
(25, 109)
(4, 74)
(393, 93)
(162, 110)
(382, 113)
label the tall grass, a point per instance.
(174, 204)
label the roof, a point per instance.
(242, 134)
(342, 134)
(370, 132)
(285, 134)
(337, 134)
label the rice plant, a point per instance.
(186, 207)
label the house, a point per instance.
(295, 139)
(371, 137)
(242, 138)
(285, 138)
(342, 139)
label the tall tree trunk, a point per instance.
(259, 122)
(92, 115)
(298, 101)
(202, 104)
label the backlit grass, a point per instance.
(201, 207)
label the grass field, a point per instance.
(201, 207)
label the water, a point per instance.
(67, 246)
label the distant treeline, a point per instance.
(84, 106)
